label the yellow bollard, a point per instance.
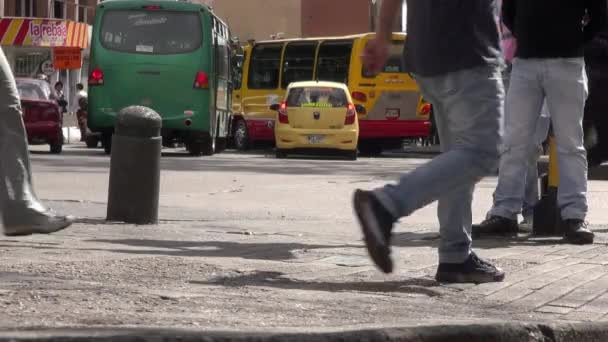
(553, 171)
(547, 217)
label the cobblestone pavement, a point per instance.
(246, 241)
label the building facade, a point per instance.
(35, 34)
(268, 19)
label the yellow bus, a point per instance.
(389, 105)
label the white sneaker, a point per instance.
(527, 224)
(41, 223)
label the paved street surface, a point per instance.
(250, 242)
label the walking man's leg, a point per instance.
(470, 106)
(566, 87)
(22, 212)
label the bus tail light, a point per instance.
(201, 81)
(152, 7)
(351, 114)
(359, 96)
(426, 109)
(96, 77)
(283, 118)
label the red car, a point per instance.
(41, 113)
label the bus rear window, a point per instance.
(394, 64)
(151, 32)
(317, 97)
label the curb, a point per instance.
(514, 332)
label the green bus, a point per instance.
(171, 56)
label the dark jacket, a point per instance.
(553, 28)
(451, 35)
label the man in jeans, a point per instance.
(530, 195)
(22, 212)
(453, 52)
(549, 66)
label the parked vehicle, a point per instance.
(171, 56)
(41, 114)
(392, 108)
(316, 115)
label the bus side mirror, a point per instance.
(360, 109)
(274, 107)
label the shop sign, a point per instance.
(67, 58)
(43, 32)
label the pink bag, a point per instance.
(509, 44)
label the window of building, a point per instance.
(59, 9)
(26, 8)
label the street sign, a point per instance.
(67, 58)
(47, 68)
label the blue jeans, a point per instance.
(531, 198)
(531, 195)
(562, 84)
(468, 108)
(17, 195)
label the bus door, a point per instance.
(262, 89)
(223, 95)
(237, 62)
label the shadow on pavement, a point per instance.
(223, 249)
(409, 239)
(420, 286)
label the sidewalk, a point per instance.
(250, 247)
(219, 275)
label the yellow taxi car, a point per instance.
(316, 115)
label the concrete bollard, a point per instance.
(135, 166)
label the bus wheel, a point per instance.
(107, 143)
(221, 144)
(370, 149)
(92, 141)
(209, 146)
(241, 136)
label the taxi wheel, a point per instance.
(56, 148)
(280, 154)
(352, 155)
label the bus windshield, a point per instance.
(394, 64)
(151, 32)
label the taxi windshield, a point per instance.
(317, 97)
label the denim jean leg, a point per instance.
(16, 193)
(522, 110)
(469, 117)
(566, 87)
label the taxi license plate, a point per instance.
(315, 139)
(392, 113)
